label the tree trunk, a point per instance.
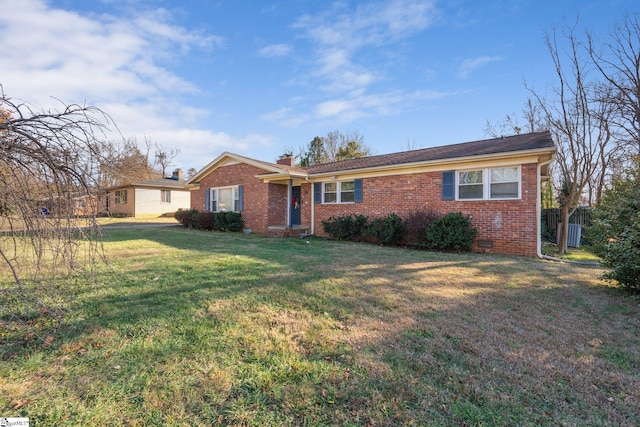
(564, 230)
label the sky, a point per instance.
(259, 78)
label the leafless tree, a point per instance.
(334, 147)
(47, 163)
(532, 116)
(618, 61)
(410, 145)
(164, 157)
(123, 162)
(578, 120)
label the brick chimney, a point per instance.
(177, 175)
(285, 159)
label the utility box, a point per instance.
(574, 235)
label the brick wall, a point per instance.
(504, 226)
(278, 195)
(508, 226)
(256, 193)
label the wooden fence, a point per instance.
(551, 218)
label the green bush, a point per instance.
(623, 256)
(345, 227)
(228, 221)
(187, 217)
(386, 230)
(221, 221)
(415, 224)
(615, 232)
(450, 232)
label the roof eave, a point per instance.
(281, 175)
(227, 155)
(443, 162)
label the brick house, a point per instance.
(496, 181)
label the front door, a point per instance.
(296, 205)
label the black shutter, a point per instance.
(448, 185)
(317, 192)
(207, 199)
(240, 198)
(357, 194)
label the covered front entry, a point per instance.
(296, 206)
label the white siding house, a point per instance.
(152, 198)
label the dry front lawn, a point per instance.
(197, 328)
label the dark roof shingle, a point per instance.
(530, 141)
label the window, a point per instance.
(487, 184)
(504, 183)
(346, 191)
(330, 192)
(121, 197)
(224, 199)
(165, 196)
(339, 192)
(470, 185)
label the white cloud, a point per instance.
(335, 108)
(199, 146)
(339, 34)
(345, 43)
(118, 63)
(471, 64)
(275, 50)
(354, 106)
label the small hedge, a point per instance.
(450, 232)
(386, 230)
(345, 227)
(186, 217)
(228, 221)
(219, 221)
(425, 229)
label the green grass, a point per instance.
(195, 328)
(581, 254)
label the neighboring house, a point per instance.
(152, 198)
(496, 181)
(81, 205)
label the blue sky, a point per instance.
(258, 77)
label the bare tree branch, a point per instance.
(48, 162)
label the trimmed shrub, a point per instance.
(205, 220)
(450, 232)
(386, 230)
(186, 217)
(228, 221)
(415, 224)
(345, 227)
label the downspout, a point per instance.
(539, 210)
(289, 199)
(313, 207)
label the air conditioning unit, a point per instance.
(574, 235)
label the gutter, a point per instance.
(313, 208)
(539, 211)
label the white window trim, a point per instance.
(338, 192)
(486, 183)
(163, 198)
(234, 196)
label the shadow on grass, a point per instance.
(403, 336)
